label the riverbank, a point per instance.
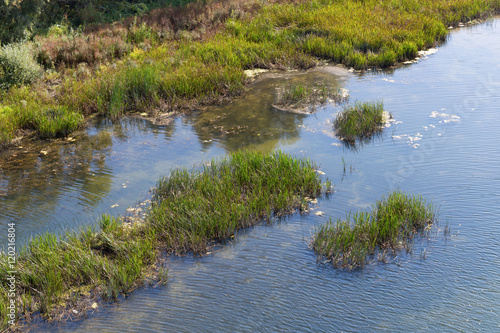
(191, 211)
(203, 63)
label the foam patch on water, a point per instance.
(445, 118)
(424, 54)
(412, 141)
(389, 120)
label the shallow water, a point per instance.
(446, 147)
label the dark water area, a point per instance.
(444, 144)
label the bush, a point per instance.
(17, 66)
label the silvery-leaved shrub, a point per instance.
(17, 65)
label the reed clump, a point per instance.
(191, 211)
(391, 226)
(359, 121)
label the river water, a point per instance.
(444, 144)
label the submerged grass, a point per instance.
(191, 211)
(359, 121)
(297, 97)
(180, 71)
(391, 226)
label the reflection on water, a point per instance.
(36, 176)
(268, 279)
(252, 121)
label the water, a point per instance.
(446, 147)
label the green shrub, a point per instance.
(17, 66)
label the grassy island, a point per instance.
(391, 226)
(359, 121)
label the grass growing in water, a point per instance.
(54, 274)
(191, 210)
(359, 121)
(298, 97)
(391, 226)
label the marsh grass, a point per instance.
(296, 97)
(391, 226)
(99, 262)
(191, 211)
(359, 121)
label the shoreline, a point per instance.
(210, 70)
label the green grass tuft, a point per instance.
(391, 226)
(359, 121)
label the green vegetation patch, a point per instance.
(391, 226)
(191, 211)
(359, 121)
(55, 275)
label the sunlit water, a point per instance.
(445, 145)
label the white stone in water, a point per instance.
(318, 213)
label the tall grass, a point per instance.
(191, 211)
(97, 262)
(391, 226)
(359, 121)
